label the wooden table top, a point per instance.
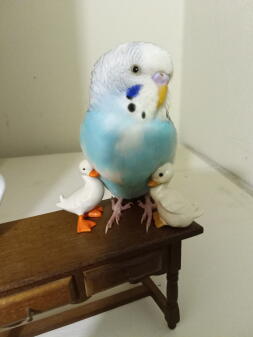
(47, 246)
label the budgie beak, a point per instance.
(94, 174)
(162, 80)
(152, 183)
(162, 94)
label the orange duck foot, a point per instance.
(84, 225)
(100, 208)
(95, 212)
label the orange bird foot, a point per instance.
(84, 225)
(96, 212)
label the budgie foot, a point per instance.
(84, 225)
(117, 209)
(148, 207)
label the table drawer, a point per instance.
(130, 270)
(19, 306)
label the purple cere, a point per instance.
(161, 78)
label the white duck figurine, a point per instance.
(84, 202)
(2, 187)
(173, 209)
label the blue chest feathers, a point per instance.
(126, 151)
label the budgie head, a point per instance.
(134, 76)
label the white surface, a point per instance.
(216, 106)
(216, 280)
(47, 51)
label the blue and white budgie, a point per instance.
(127, 133)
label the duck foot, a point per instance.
(148, 207)
(158, 220)
(84, 225)
(117, 208)
(95, 212)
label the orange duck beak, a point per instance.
(152, 183)
(94, 174)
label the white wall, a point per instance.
(217, 85)
(40, 93)
(47, 51)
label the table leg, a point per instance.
(172, 314)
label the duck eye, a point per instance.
(160, 174)
(83, 169)
(135, 69)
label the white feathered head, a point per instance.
(138, 72)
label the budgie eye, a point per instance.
(160, 174)
(135, 69)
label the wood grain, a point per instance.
(76, 314)
(47, 247)
(15, 307)
(131, 270)
(45, 264)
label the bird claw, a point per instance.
(144, 215)
(117, 208)
(108, 226)
(113, 204)
(126, 206)
(148, 207)
(140, 203)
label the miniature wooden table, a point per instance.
(45, 264)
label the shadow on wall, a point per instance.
(42, 92)
(216, 99)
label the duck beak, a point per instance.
(94, 174)
(152, 183)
